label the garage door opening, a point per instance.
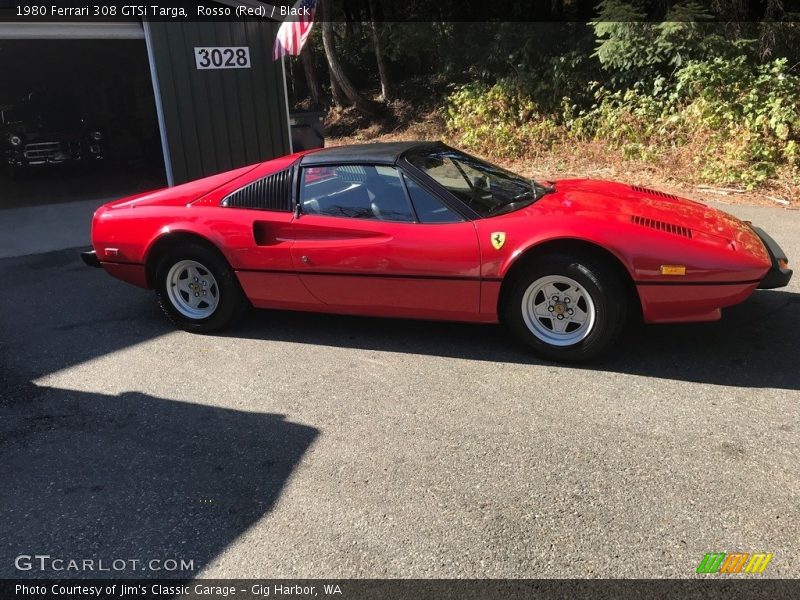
(78, 121)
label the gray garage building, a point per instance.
(210, 119)
(158, 93)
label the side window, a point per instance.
(355, 191)
(429, 208)
(447, 174)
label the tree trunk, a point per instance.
(376, 40)
(339, 99)
(337, 95)
(311, 76)
(335, 67)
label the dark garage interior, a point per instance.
(89, 108)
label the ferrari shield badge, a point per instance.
(498, 239)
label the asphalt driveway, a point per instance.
(305, 445)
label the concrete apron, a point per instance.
(48, 227)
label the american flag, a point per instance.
(294, 31)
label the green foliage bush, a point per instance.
(500, 120)
(741, 122)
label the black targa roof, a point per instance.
(381, 152)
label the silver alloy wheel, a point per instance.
(192, 289)
(558, 310)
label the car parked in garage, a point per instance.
(421, 230)
(46, 129)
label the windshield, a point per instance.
(487, 189)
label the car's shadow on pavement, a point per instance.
(754, 345)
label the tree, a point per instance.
(632, 48)
(379, 55)
(338, 75)
(339, 99)
(311, 75)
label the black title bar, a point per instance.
(386, 10)
(712, 588)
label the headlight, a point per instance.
(96, 136)
(14, 140)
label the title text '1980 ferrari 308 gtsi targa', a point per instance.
(421, 230)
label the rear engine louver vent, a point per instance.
(273, 192)
(644, 190)
(661, 226)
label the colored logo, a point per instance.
(498, 239)
(740, 562)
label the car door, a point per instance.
(360, 245)
(250, 218)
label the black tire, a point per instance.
(231, 304)
(605, 289)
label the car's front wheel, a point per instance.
(567, 308)
(197, 289)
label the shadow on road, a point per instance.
(68, 314)
(133, 477)
(129, 476)
(753, 346)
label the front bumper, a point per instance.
(778, 275)
(53, 154)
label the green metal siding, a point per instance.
(219, 119)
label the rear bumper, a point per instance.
(130, 272)
(90, 258)
(778, 275)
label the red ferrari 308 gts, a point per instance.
(421, 230)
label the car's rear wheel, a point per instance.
(567, 308)
(197, 289)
